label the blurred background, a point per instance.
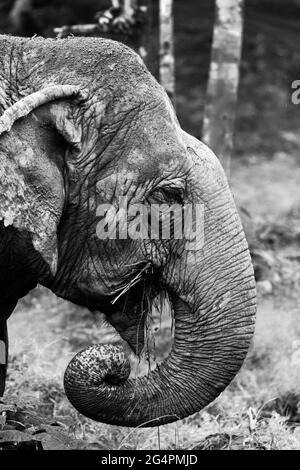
(261, 408)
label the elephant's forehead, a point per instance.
(159, 147)
(150, 163)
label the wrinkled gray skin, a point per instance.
(115, 133)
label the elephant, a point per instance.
(83, 122)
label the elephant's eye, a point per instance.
(166, 195)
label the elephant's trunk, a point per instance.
(210, 344)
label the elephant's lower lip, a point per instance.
(104, 305)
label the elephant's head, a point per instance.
(86, 130)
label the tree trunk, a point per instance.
(166, 48)
(218, 123)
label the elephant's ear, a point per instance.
(35, 134)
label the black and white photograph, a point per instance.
(149, 228)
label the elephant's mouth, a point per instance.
(130, 308)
